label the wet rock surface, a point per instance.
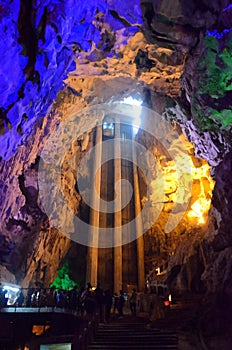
(177, 56)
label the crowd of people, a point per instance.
(86, 300)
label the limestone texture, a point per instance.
(58, 59)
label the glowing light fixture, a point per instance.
(108, 128)
(132, 101)
(11, 294)
(13, 289)
(166, 303)
(198, 210)
(64, 346)
(137, 111)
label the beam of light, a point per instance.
(136, 121)
(132, 101)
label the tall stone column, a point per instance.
(92, 256)
(117, 211)
(139, 227)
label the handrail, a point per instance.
(45, 309)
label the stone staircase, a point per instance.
(129, 334)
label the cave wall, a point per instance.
(200, 32)
(177, 55)
(38, 45)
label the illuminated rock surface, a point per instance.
(177, 57)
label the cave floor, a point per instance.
(181, 319)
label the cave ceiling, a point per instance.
(59, 58)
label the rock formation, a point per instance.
(58, 59)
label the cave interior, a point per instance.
(76, 77)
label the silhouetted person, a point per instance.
(108, 304)
(20, 298)
(88, 301)
(80, 304)
(29, 296)
(42, 301)
(73, 298)
(60, 299)
(133, 301)
(3, 298)
(121, 302)
(115, 302)
(99, 301)
(86, 292)
(51, 297)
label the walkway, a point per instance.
(133, 334)
(178, 330)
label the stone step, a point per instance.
(131, 330)
(132, 347)
(133, 336)
(136, 336)
(133, 343)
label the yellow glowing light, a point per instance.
(172, 186)
(202, 202)
(40, 329)
(198, 210)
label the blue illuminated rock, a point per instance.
(37, 49)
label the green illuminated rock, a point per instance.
(214, 86)
(63, 281)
